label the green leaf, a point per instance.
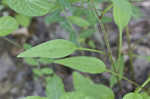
(53, 17)
(45, 60)
(65, 4)
(30, 7)
(43, 71)
(31, 61)
(136, 12)
(85, 85)
(54, 88)
(133, 96)
(78, 21)
(86, 33)
(23, 20)
(35, 97)
(7, 25)
(145, 96)
(83, 64)
(51, 49)
(92, 44)
(122, 11)
(27, 46)
(72, 35)
(76, 95)
(106, 19)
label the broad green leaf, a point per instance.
(97, 91)
(51, 49)
(30, 61)
(31, 7)
(122, 11)
(83, 64)
(54, 88)
(145, 96)
(7, 25)
(35, 97)
(76, 95)
(133, 96)
(23, 20)
(79, 21)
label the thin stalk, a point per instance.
(143, 85)
(91, 50)
(106, 40)
(120, 44)
(12, 42)
(123, 77)
(105, 35)
(130, 54)
(106, 10)
(139, 40)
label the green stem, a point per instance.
(91, 50)
(120, 44)
(106, 40)
(12, 42)
(130, 54)
(122, 77)
(143, 85)
(106, 10)
(105, 37)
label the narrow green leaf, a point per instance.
(78, 21)
(133, 96)
(55, 88)
(51, 49)
(83, 64)
(97, 91)
(31, 7)
(7, 25)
